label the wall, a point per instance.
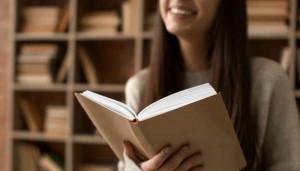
(4, 59)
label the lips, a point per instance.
(181, 11)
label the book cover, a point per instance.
(203, 124)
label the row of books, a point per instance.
(264, 16)
(51, 19)
(267, 16)
(45, 19)
(31, 158)
(40, 64)
(52, 120)
(109, 22)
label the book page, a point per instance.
(177, 100)
(111, 104)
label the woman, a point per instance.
(199, 41)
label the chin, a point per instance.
(179, 32)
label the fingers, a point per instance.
(130, 152)
(156, 162)
(192, 161)
(176, 159)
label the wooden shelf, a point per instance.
(268, 36)
(89, 139)
(41, 37)
(117, 88)
(42, 87)
(148, 35)
(99, 36)
(43, 137)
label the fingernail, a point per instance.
(167, 150)
(186, 149)
(198, 156)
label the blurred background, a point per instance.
(50, 49)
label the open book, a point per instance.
(196, 116)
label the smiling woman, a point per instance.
(199, 41)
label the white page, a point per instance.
(161, 106)
(111, 104)
(177, 100)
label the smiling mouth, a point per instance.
(181, 11)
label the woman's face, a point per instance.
(188, 17)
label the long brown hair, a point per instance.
(230, 70)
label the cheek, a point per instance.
(163, 6)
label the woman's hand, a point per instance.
(166, 160)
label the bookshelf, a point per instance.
(114, 57)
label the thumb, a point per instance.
(130, 152)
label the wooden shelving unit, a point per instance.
(117, 57)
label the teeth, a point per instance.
(181, 11)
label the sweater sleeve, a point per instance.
(281, 147)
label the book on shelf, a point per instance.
(196, 116)
(285, 58)
(56, 121)
(268, 16)
(38, 48)
(96, 167)
(27, 157)
(64, 17)
(63, 68)
(36, 62)
(30, 69)
(32, 115)
(37, 79)
(51, 162)
(127, 17)
(262, 29)
(88, 67)
(35, 58)
(40, 19)
(102, 21)
(268, 4)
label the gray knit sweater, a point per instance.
(273, 107)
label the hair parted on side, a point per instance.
(229, 66)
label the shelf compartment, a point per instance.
(111, 62)
(29, 154)
(90, 154)
(41, 62)
(32, 117)
(258, 48)
(39, 21)
(150, 8)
